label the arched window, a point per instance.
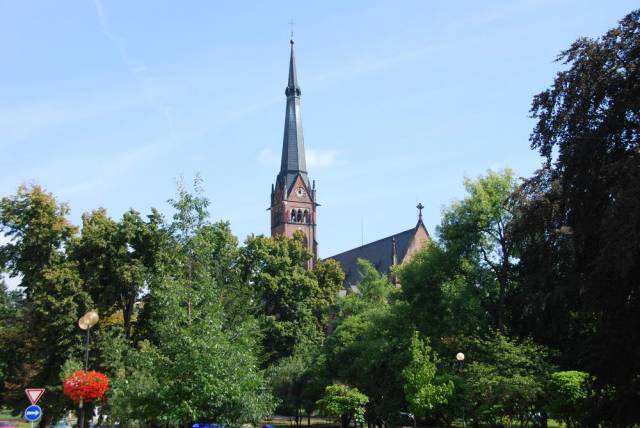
(305, 216)
(299, 218)
(293, 216)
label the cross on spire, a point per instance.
(420, 207)
(291, 25)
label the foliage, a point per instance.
(292, 302)
(344, 402)
(441, 298)
(505, 378)
(476, 230)
(11, 335)
(568, 392)
(330, 279)
(291, 380)
(85, 385)
(424, 388)
(116, 259)
(38, 232)
(374, 290)
(579, 218)
(369, 350)
(193, 338)
(215, 362)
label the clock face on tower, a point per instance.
(300, 192)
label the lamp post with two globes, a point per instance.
(85, 322)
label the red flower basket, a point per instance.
(85, 385)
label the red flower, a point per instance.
(86, 385)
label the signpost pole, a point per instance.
(81, 419)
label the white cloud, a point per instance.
(320, 158)
(267, 157)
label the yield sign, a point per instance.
(34, 394)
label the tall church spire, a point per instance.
(293, 159)
(293, 199)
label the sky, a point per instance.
(106, 103)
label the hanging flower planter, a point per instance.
(83, 385)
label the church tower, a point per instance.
(293, 198)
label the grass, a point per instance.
(6, 416)
(282, 422)
(551, 423)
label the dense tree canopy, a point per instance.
(579, 216)
(45, 335)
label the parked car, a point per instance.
(8, 424)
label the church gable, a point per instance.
(419, 239)
(299, 191)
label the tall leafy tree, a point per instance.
(579, 223)
(191, 336)
(476, 229)
(38, 233)
(292, 302)
(117, 258)
(442, 298)
(370, 345)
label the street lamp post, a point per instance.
(460, 362)
(410, 416)
(85, 322)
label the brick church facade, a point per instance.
(294, 208)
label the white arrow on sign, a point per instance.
(34, 394)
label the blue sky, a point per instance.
(105, 103)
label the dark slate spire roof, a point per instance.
(293, 159)
(380, 253)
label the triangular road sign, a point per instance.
(34, 394)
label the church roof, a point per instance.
(379, 253)
(293, 157)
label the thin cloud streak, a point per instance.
(137, 68)
(320, 159)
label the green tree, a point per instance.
(505, 379)
(344, 402)
(216, 363)
(369, 347)
(476, 229)
(442, 298)
(192, 337)
(579, 219)
(11, 335)
(38, 232)
(374, 290)
(424, 387)
(292, 302)
(292, 381)
(568, 392)
(116, 259)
